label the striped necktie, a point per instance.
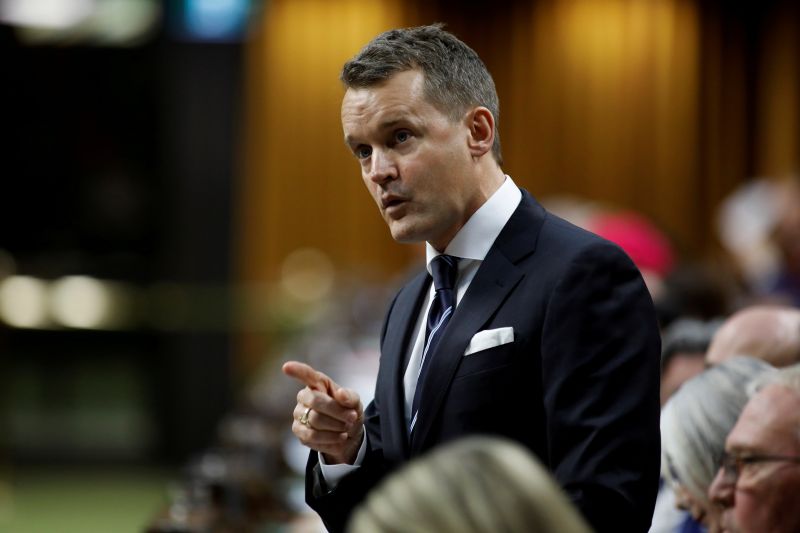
(444, 269)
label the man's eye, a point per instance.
(363, 152)
(402, 136)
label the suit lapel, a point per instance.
(393, 362)
(496, 277)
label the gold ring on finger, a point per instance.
(304, 419)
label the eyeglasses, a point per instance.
(733, 464)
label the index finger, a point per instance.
(306, 375)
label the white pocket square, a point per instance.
(489, 338)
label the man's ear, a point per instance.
(481, 131)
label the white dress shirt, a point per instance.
(471, 244)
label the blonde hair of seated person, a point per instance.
(472, 485)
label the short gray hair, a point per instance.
(697, 419)
(788, 377)
(455, 77)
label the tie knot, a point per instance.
(444, 269)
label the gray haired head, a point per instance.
(455, 77)
(470, 485)
(697, 419)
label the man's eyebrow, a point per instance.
(387, 124)
(741, 448)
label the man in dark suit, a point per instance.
(532, 328)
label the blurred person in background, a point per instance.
(471, 485)
(683, 351)
(759, 224)
(700, 290)
(757, 487)
(553, 340)
(694, 425)
(768, 332)
(785, 285)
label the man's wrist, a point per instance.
(350, 458)
(333, 473)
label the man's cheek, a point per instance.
(745, 514)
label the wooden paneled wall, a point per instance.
(663, 106)
(302, 187)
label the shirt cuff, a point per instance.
(332, 474)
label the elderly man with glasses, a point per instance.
(758, 484)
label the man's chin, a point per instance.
(403, 234)
(726, 523)
(407, 240)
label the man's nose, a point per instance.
(721, 491)
(382, 167)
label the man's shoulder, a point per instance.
(559, 238)
(557, 231)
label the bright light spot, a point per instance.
(125, 21)
(23, 302)
(46, 13)
(80, 302)
(307, 274)
(216, 19)
(104, 22)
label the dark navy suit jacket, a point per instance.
(578, 385)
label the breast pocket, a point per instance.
(485, 361)
(479, 391)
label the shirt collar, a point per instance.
(475, 238)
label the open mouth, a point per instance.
(390, 201)
(394, 208)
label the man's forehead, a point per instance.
(362, 107)
(364, 113)
(770, 422)
(358, 124)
